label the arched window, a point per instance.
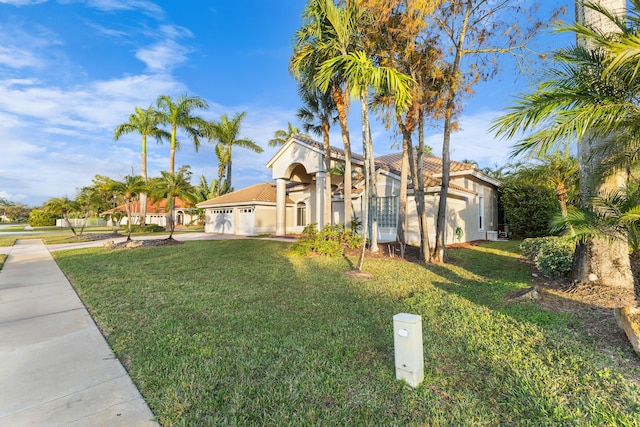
(301, 214)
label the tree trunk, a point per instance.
(599, 261)
(172, 149)
(425, 249)
(338, 97)
(143, 173)
(402, 197)
(327, 166)
(127, 205)
(229, 168)
(453, 80)
(367, 187)
(595, 260)
(373, 189)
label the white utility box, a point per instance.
(409, 355)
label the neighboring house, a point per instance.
(183, 213)
(298, 168)
(246, 212)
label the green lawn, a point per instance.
(239, 332)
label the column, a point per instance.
(320, 178)
(281, 206)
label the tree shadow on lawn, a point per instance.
(591, 325)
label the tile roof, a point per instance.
(338, 152)
(432, 165)
(264, 192)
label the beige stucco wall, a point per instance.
(296, 154)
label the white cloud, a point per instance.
(22, 2)
(15, 57)
(163, 56)
(147, 7)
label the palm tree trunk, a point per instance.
(373, 190)
(127, 205)
(596, 260)
(402, 197)
(327, 166)
(66, 218)
(419, 193)
(338, 97)
(172, 149)
(143, 173)
(171, 201)
(229, 168)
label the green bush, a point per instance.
(528, 208)
(552, 255)
(149, 228)
(555, 257)
(328, 241)
(530, 247)
(39, 218)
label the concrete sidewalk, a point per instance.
(56, 369)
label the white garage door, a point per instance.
(221, 221)
(247, 218)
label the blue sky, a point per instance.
(72, 70)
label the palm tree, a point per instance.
(62, 206)
(172, 185)
(178, 114)
(144, 122)
(559, 170)
(329, 31)
(281, 136)
(131, 187)
(317, 115)
(226, 133)
(587, 101)
(362, 75)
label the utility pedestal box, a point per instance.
(409, 355)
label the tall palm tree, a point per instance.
(178, 114)
(362, 75)
(317, 115)
(172, 185)
(131, 187)
(62, 206)
(144, 122)
(226, 133)
(281, 136)
(328, 31)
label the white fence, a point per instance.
(79, 222)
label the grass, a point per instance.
(240, 332)
(3, 258)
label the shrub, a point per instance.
(328, 241)
(530, 247)
(148, 228)
(553, 256)
(39, 218)
(528, 208)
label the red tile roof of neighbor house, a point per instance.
(153, 206)
(264, 192)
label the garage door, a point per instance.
(247, 219)
(221, 221)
